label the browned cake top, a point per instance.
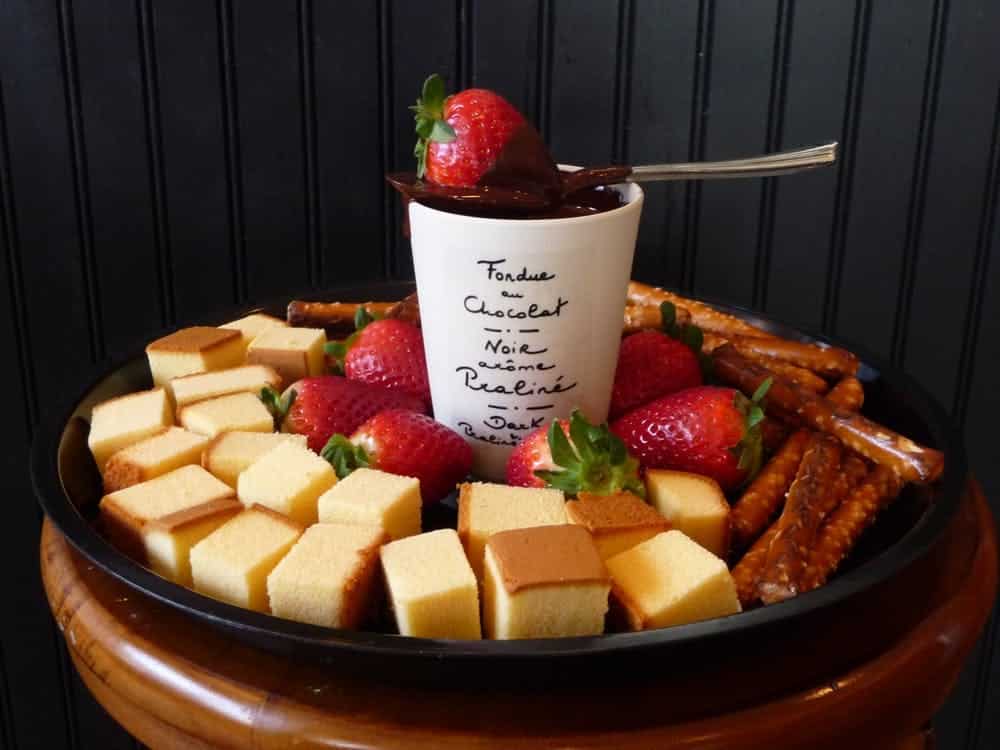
(194, 339)
(604, 514)
(546, 555)
(197, 514)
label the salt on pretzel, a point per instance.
(704, 316)
(788, 553)
(843, 527)
(913, 462)
(830, 361)
(847, 393)
(336, 317)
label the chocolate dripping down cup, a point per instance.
(521, 318)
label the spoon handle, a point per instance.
(757, 166)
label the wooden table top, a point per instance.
(174, 683)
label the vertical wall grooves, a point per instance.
(980, 273)
(15, 285)
(231, 136)
(384, 20)
(463, 44)
(471, 41)
(700, 99)
(18, 312)
(543, 87)
(623, 80)
(310, 160)
(154, 150)
(81, 186)
(918, 185)
(845, 177)
(773, 141)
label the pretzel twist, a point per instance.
(808, 497)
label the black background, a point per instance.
(162, 159)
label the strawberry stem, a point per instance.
(591, 459)
(277, 404)
(750, 449)
(344, 456)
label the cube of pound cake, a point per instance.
(671, 580)
(153, 457)
(544, 582)
(485, 509)
(294, 352)
(233, 562)
(126, 513)
(251, 326)
(330, 577)
(432, 589)
(616, 522)
(204, 385)
(693, 504)
(124, 421)
(289, 479)
(168, 540)
(196, 349)
(237, 411)
(229, 454)
(372, 497)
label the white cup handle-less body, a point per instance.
(521, 318)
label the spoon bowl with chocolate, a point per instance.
(525, 182)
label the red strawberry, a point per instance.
(389, 353)
(407, 443)
(461, 136)
(319, 406)
(574, 456)
(650, 365)
(706, 430)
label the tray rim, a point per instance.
(282, 635)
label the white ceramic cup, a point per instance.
(521, 318)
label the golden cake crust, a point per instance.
(605, 514)
(194, 339)
(546, 555)
(175, 521)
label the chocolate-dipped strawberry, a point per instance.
(477, 154)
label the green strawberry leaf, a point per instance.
(277, 404)
(591, 459)
(428, 114)
(336, 351)
(688, 334)
(750, 449)
(344, 456)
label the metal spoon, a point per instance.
(768, 165)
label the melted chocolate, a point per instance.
(524, 183)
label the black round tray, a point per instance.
(68, 488)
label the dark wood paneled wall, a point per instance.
(158, 159)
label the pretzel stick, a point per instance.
(704, 316)
(825, 360)
(641, 317)
(746, 572)
(799, 375)
(407, 309)
(913, 462)
(336, 317)
(841, 530)
(759, 502)
(848, 394)
(808, 497)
